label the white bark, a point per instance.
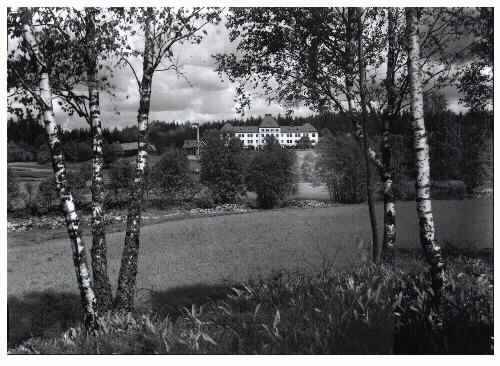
(423, 194)
(71, 217)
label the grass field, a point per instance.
(185, 261)
(236, 247)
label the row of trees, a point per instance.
(58, 50)
(229, 172)
(326, 58)
(329, 58)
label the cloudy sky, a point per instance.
(208, 98)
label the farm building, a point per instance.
(130, 148)
(254, 136)
(191, 146)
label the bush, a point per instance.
(272, 174)
(77, 151)
(170, 175)
(367, 310)
(121, 177)
(12, 188)
(43, 154)
(204, 198)
(47, 194)
(440, 190)
(340, 166)
(222, 167)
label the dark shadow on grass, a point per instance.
(50, 313)
(43, 313)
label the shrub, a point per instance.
(12, 188)
(170, 175)
(304, 143)
(77, 151)
(272, 174)
(440, 190)
(43, 154)
(340, 166)
(204, 198)
(47, 193)
(222, 167)
(121, 176)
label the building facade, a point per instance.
(287, 136)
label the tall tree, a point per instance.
(423, 184)
(476, 80)
(31, 48)
(364, 139)
(163, 29)
(81, 42)
(389, 241)
(303, 55)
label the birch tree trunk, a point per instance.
(423, 195)
(124, 300)
(102, 286)
(389, 240)
(358, 129)
(364, 140)
(72, 222)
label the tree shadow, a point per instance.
(41, 313)
(50, 313)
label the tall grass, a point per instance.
(368, 310)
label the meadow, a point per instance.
(236, 247)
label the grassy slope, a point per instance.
(235, 247)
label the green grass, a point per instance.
(364, 310)
(210, 251)
(236, 247)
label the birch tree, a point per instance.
(305, 55)
(163, 29)
(423, 194)
(363, 138)
(43, 98)
(81, 43)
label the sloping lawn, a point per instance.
(236, 247)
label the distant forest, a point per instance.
(461, 144)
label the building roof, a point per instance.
(246, 129)
(227, 127)
(130, 146)
(268, 121)
(306, 127)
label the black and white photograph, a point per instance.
(251, 179)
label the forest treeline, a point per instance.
(461, 143)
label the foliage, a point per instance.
(204, 198)
(121, 176)
(476, 80)
(307, 168)
(304, 143)
(47, 194)
(272, 174)
(12, 188)
(43, 154)
(170, 175)
(222, 167)
(77, 151)
(16, 152)
(340, 167)
(112, 152)
(367, 310)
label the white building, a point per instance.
(255, 136)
